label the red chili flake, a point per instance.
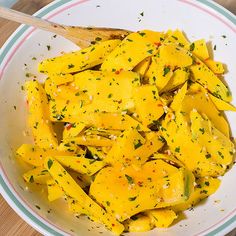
(198, 63)
(113, 225)
(140, 183)
(159, 105)
(68, 126)
(27, 102)
(78, 161)
(118, 71)
(158, 44)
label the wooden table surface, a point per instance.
(10, 223)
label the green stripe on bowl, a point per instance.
(4, 51)
(222, 227)
(23, 209)
(229, 15)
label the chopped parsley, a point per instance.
(137, 144)
(31, 180)
(166, 71)
(192, 46)
(71, 66)
(177, 149)
(208, 155)
(202, 130)
(129, 179)
(132, 198)
(50, 162)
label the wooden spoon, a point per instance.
(82, 36)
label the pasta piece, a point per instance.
(35, 155)
(130, 191)
(132, 50)
(204, 187)
(199, 49)
(222, 105)
(215, 66)
(38, 175)
(203, 75)
(72, 130)
(54, 191)
(179, 77)
(139, 224)
(91, 140)
(178, 38)
(39, 121)
(81, 164)
(72, 189)
(123, 150)
(143, 66)
(162, 218)
(78, 60)
(219, 147)
(175, 56)
(159, 73)
(201, 102)
(144, 97)
(193, 155)
(66, 92)
(178, 99)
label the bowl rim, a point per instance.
(8, 192)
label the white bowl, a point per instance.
(198, 19)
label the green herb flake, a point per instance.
(161, 139)
(129, 179)
(31, 180)
(207, 183)
(192, 47)
(150, 51)
(142, 34)
(208, 155)
(174, 37)
(38, 207)
(137, 144)
(129, 59)
(48, 47)
(50, 162)
(221, 155)
(204, 191)
(98, 39)
(132, 198)
(202, 130)
(109, 95)
(214, 47)
(166, 71)
(177, 149)
(71, 66)
(141, 14)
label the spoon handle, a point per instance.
(31, 20)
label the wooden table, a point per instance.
(10, 223)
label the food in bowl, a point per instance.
(144, 136)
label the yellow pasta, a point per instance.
(142, 135)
